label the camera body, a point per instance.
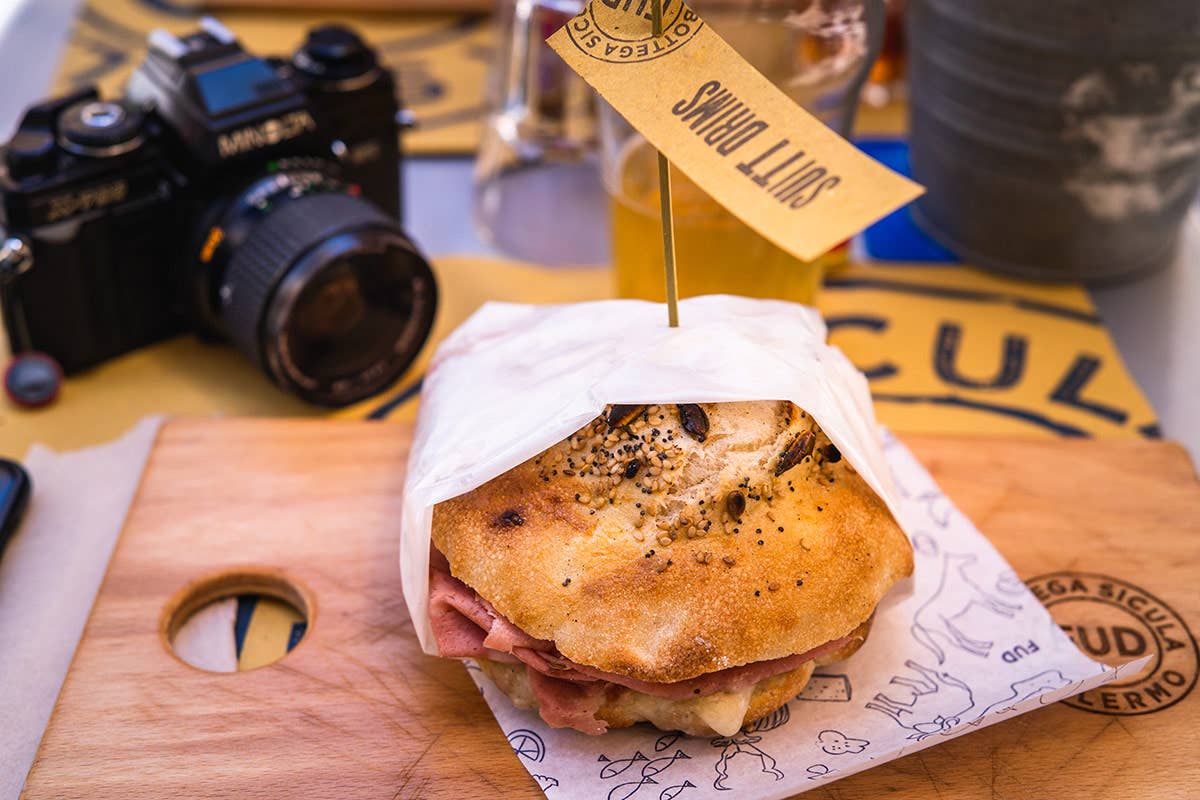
(127, 217)
(96, 279)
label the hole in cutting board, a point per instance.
(236, 621)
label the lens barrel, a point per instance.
(329, 298)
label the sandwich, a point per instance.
(685, 565)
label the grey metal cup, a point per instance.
(1058, 139)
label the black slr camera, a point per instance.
(252, 200)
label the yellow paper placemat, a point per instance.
(950, 349)
(441, 60)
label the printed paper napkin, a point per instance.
(969, 647)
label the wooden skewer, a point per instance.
(664, 195)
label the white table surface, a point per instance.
(1155, 321)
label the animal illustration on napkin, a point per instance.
(1044, 681)
(671, 792)
(926, 703)
(745, 742)
(665, 741)
(657, 765)
(611, 768)
(647, 775)
(933, 628)
(623, 791)
(836, 743)
(933, 502)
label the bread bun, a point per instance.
(665, 542)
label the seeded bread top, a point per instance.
(664, 542)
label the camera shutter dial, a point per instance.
(335, 54)
(100, 128)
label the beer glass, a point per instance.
(819, 53)
(537, 196)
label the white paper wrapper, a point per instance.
(967, 645)
(515, 379)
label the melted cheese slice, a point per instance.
(724, 711)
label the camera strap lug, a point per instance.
(16, 258)
(406, 120)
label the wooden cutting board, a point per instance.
(356, 711)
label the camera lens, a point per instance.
(329, 297)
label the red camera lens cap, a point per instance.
(32, 380)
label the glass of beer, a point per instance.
(819, 53)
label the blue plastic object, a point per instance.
(896, 237)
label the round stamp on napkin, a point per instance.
(1113, 621)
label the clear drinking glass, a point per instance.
(819, 53)
(537, 188)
